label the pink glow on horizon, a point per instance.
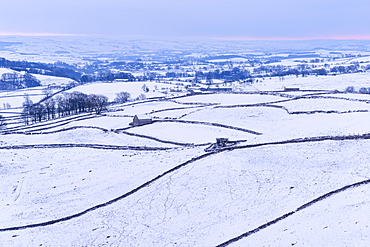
(226, 38)
(39, 34)
(339, 37)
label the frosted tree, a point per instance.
(122, 97)
(145, 88)
(141, 97)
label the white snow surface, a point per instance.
(53, 80)
(205, 202)
(134, 88)
(230, 99)
(339, 82)
(322, 104)
(17, 97)
(145, 107)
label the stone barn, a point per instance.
(139, 120)
(291, 89)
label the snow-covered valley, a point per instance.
(221, 143)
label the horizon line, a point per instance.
(224, 38)
(339, 37)
(42, 34)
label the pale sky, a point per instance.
(221, 19)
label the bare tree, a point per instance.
(27, 109)
(49, 106)
(38, 113)
(59, 100)
(141, 97)
(64, 105)
(27, 101)
(145, 88)
(48, 92)
(122, 97)
(6, 106)
(99, 102)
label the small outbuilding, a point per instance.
(139, 120)
(291, 89)
(220, 89)
(194, 91)
(222, 142)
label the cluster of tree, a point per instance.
(280, 70)
(13, 81)
(149, 76)
(107, 76)
(321, 71)
(345, 69)
(123, 97)
(120, 65)
(6, 106)
(136, 65)
(228, 75)
(317, 60)
(60, 69)
(350, 89)
(363, 90)
(54, 69)
(177, 74)
(63, 105)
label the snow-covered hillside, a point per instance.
(134, 88)
(295, 172)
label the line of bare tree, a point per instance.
(62, 105)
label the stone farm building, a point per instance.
(290, 89)
(139, 120)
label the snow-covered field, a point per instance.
(97, 181)
(324, 104)
(182, 132)
(134, 88)
(329, 82)
(17, 97)
(145, 107)
(230, 99)
(53, 80)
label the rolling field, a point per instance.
(297, 174)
